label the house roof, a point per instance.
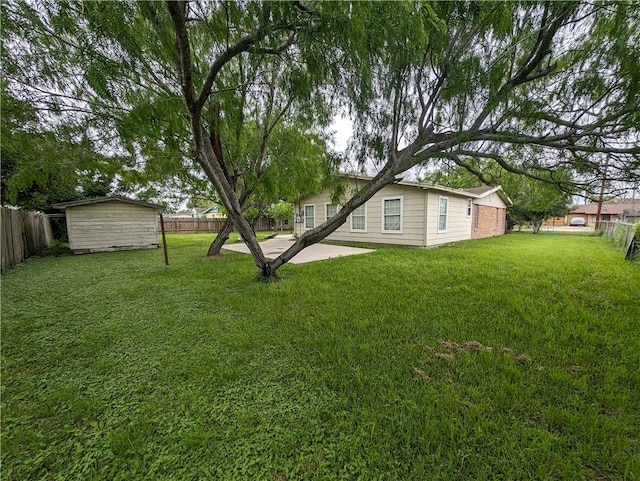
(481, 190)
(98, 200)
(615, 208)
(214, 209)
(486, 190)
(475, 193)
(419, 185)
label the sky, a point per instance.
(343, 130)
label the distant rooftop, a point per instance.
(615, 207)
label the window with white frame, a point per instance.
(392, 215)
(329, 211)
(309, 216)
(359, 219)
(469, 207)
(443, 206)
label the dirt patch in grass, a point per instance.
(467, 346)
(419, 374)
(443, 355)
(475, 346)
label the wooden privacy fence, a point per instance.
(24, 234)
(194, 226)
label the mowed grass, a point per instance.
(117, 367)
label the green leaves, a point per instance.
(543, 83)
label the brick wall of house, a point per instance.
(557, 221)
(487, 221)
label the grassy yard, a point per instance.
(510, 358)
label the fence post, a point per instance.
(164, 241)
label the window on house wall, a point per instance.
(469, 207)
(359, 219)
(329, 211)
(497, 217)
(392, 215)
(476, 217)
(443, 206)
(309, 216)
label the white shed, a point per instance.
(110, 224)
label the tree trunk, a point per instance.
(267, 272)
(221, 238)
(536, 224)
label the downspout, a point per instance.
(296, 214)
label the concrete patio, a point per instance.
(272, 248)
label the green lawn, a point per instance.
(117, 367)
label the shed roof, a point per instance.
(98, 200)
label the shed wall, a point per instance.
(111, 225)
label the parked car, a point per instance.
(578, 222)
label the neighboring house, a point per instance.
(611, 211)
(213, 213)
(110, 223)
(411, 214)
(194, 213)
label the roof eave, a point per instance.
(418, 185)
(99, 200)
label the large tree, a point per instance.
(546, 84)
(120, 61)
(459, 79)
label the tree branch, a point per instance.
(177, 10)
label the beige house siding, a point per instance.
(111, 225)
(492, 200)
(413, 206)
(420, 216)
(458, 223)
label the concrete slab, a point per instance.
(272, 248)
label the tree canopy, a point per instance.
(537, 88)
(42, 166)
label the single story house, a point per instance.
(194, 213)
(411, 214)
(213, 212)
(110, 224)
(611, 211)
